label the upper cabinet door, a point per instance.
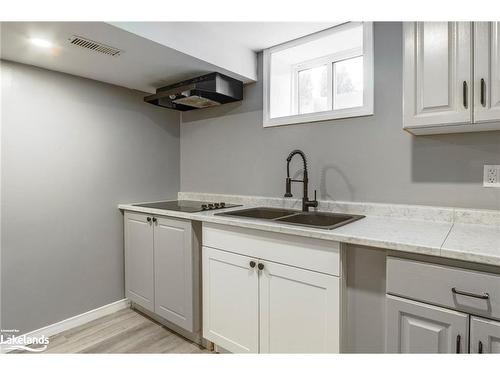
(174, 271)
(299, 310)
(414, 327)
(139, 284)
(487, 71)
(437, 73)
(484, 335)
(230, 301)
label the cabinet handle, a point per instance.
(466, 94)
(458, 344)
(480, 347)
(483, 92)
(261, 266)
(469, 294)
(148, 219)
(252, 264)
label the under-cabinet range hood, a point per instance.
(201, 92)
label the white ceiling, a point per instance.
(257, 36)
(155, 53)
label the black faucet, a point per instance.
(306, 203)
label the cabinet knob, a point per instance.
(155, 220)
(252, 264)
(261, 266)
(148, 219)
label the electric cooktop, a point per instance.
(187, 206)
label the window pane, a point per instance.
(313, 90)
(348, 83)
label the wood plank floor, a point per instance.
(126, 331)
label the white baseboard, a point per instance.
(78, 320)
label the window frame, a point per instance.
(368, 85)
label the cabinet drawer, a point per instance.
(445, 286)
(309, 253)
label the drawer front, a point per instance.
(445, 286)
(309, 253)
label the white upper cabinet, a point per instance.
(487, 71)
(444, 68)
(437, 66)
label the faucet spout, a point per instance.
(289, 159)
(306, 203)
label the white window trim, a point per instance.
(368, 86)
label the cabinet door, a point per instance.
(414, 327)
(139, 284)
(484, 335)
(230, 301)
(174, 271)
(486, 71)
(299, 310)
(437, 73)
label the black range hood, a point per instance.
(201, 92)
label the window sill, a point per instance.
(319, 116)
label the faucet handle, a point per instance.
(315, 201)
(288, 192)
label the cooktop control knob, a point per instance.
(216, 205)
(204, 207)
(222, 204)
(210, 206)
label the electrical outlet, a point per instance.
(491, 176)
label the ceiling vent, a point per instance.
(95, 46)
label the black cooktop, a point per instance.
(187, 206)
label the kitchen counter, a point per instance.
(470, 235)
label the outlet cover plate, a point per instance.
(491, 176)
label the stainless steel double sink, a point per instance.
(320, 220)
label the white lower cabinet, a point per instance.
(162, 267)
(175, 272)
(253, 303)
(230, 301)
(139, 278)
(299, 310)
(414, 327)
(484, 335)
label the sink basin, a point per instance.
(268, 213)
(324, 220)
(320, 220)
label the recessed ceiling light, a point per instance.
(41, 42)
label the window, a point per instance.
(322, 76)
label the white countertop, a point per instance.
(413, 233)
(473, 242)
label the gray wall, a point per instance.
(226, 149)
(365, 285)
(72, 149)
